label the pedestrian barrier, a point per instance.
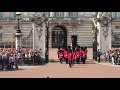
(32, 62)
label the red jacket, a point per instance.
(83, 54)
(70, 56)
(60, 55)
(65, 54)
(77, 54)
(62, 49)
(58, 52)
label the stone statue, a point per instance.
(105, 26)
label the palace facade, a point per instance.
(64, 28)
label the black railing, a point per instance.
(31, 62)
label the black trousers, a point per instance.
(11, 65)
(83, 60)
(61, 60)
(77, 60)
(73, 61)
(98, 59)
(70, 63)
(66, 59)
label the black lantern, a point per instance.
(18, 18)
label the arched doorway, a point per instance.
(59, 37)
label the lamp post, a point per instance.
(18, 33)
(47, 40)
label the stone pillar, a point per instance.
(18, 40)
(104, 32)
(52, 15)
(66, 16)
(39, 34)
(79, 16)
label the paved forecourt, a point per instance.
(57, 70)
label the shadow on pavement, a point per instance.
(13, 69)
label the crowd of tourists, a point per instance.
(10, 58)
(112, 56)
(71, 55)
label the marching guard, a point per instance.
(77, 56)
(70, 58)
(61, 56)
(65, 56)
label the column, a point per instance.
(18, 42)
(80, 15)
(66, 16)
(52, 14)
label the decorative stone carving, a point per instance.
(105, 22)
(39, 32)
(39, 27)
(104, 29)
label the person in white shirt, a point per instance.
(11, 61)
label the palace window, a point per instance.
(47, 14)
(59, 14)
(73, 14)
(0, 14)
(25, 14)
(117, 27)
(116, 15)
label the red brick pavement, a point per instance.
(57, 70)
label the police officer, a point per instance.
(99, 54)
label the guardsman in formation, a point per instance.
(70, 57)
(61, 56)
(65, 55)
(83, 55)
(58, 51)
(86, 51)
(77, 56)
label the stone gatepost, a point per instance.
(39, 33)
(104, 31)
